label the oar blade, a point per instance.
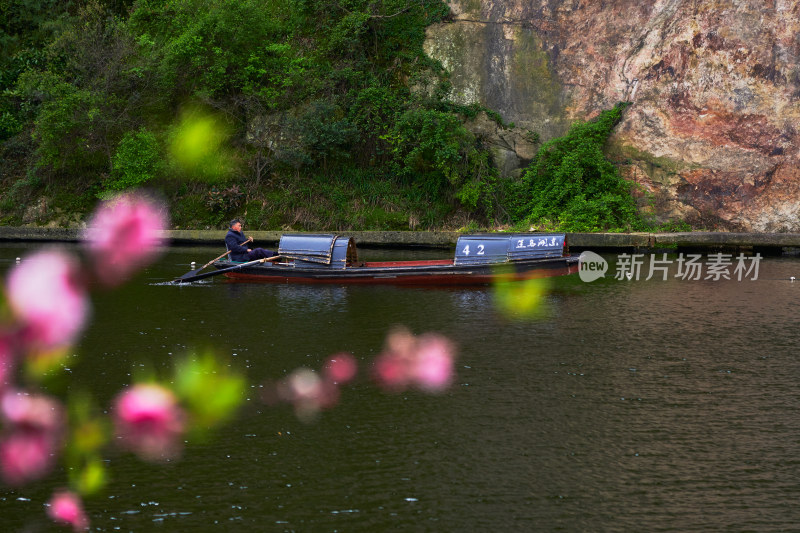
(188, 279)
(188, 275)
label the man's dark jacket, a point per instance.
(232, 240)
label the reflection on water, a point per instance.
(659, 406)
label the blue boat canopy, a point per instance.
(324, 251)
(500, 248)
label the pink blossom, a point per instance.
(341, 368)
(66, 508)
(149, 421)
(408, 361)
(19, 408)
(433, 364)
(392, 371)
(123, 236)
(394, 366)
(6, 362)
(46, 296)
(34, 427)
(25, 455)
(303, 384)
(308, 393)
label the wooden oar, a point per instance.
(197, 271)
(224, 270)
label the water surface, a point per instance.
(634, 405)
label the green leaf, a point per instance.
(210, 390)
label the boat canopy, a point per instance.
(503, 247)
(324, 251)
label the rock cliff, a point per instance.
(715, 84)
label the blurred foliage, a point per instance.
(198, 146)
(90, 433)
(196, 375)
(522, 300)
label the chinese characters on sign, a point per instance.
(533, 243)
(689, 267)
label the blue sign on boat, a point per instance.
(500, 248)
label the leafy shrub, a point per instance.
(373, 110)
(273, 72)
(325, 133)
(347, 33)
(434, 150)
(136, 161)
(224, 200)
(66, 131)
(9, 125)
(571, 181)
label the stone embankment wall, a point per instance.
(771, 243)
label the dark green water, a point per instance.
(635, 406)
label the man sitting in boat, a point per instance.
(236, 242)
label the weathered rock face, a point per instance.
(715, 85)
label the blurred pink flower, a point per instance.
(308, 393)
(433, 364)
(34, 428)
(124, 235)
(408, 361)
(149, 421)
(394, 366)
(66, 508)
(19, 408)
(392, 371)
(25, 455)
(6, 362)
(341, 368)
(47, 297)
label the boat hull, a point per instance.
(438, 273)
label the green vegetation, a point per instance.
(572, 184)
(136, 161)
(296, 114)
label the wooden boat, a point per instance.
(479, 259)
